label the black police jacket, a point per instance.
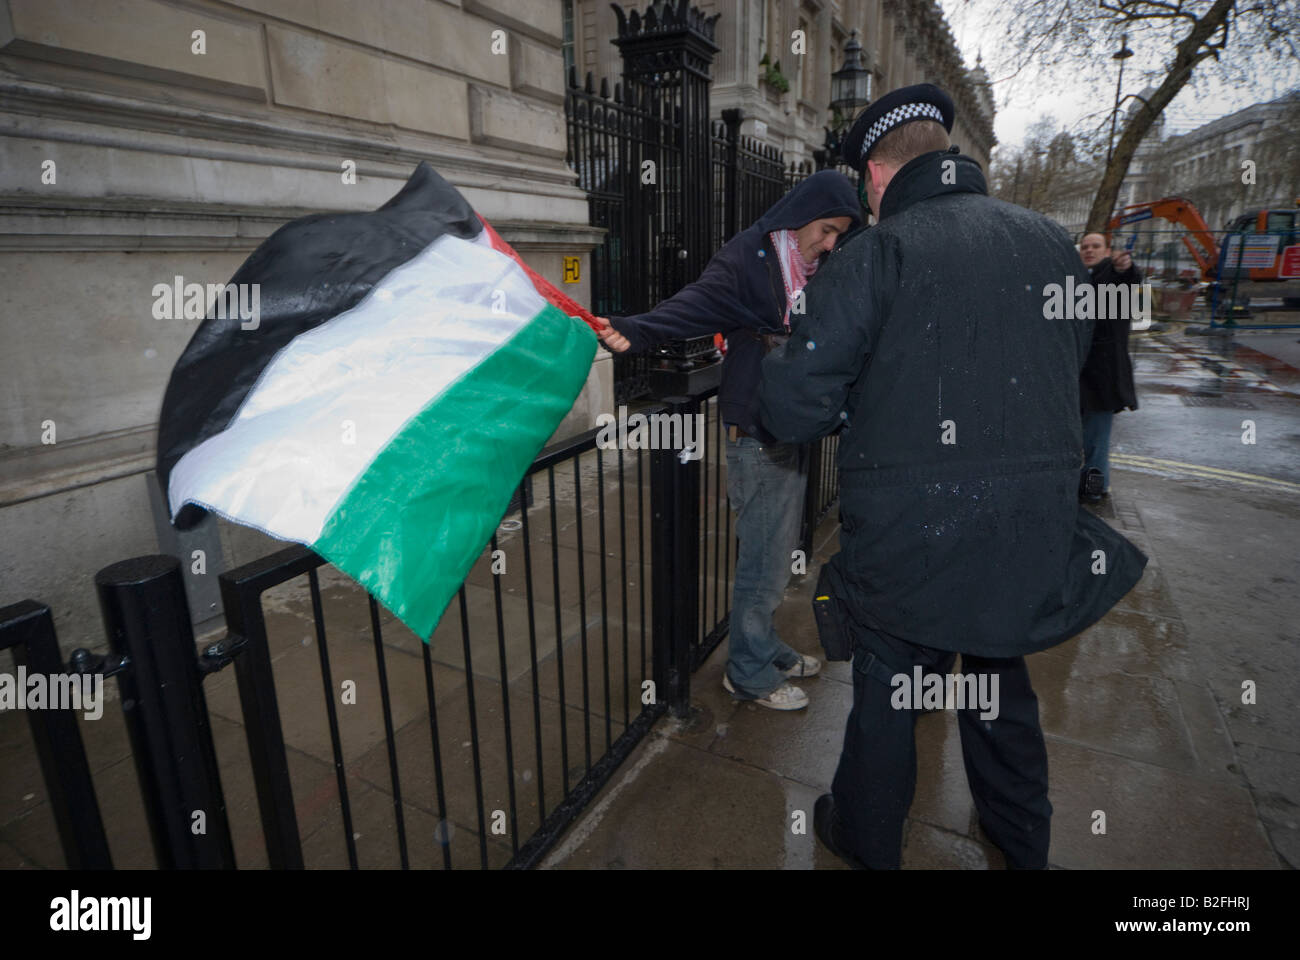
(925, 337)
(742, 295)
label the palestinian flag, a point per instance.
(402, 372)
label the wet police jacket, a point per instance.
(1106, 383)
(961, 445)
(741, 294)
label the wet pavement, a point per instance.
(1144, 713)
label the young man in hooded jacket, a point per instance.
(748, 291)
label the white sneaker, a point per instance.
(785, 697)
(806, 667)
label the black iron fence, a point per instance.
(628, 155)
(578, 627)
(748, 177)
(635, 161)
(823, 489)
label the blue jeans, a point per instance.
(1096, 444)
(766, 485)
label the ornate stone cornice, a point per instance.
(51, 101)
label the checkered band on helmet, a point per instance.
(908, 111)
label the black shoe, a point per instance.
(1008, 863)
(826, 826)
(1092, 486)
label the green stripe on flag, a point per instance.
(413, 524)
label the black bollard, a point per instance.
(148, 620)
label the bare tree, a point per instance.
(1240, 38)
(1034, 174)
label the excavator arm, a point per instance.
(1198, 240)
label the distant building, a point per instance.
(903, 41)
(1205, 165)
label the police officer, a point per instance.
(925, 338)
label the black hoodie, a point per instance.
(741, 294)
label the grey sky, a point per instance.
(1071, 97)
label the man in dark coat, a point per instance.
(925, 338)
(748, 291)
(1106, 384)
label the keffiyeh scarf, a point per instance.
(795, 271)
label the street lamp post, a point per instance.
(850, 92)
(1121, 55)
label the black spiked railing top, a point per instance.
(663, 16)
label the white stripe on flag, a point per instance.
(284, 462)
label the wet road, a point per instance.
(1199, 397)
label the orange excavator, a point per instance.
(1259, 252)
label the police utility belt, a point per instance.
(834, 626)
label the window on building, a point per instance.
(773, 40)
(566, 45)
(1281, 222)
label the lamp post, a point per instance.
(850, 92)
(1121, 55)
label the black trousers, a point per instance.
(1005, 757)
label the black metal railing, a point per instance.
(576, 685)
(748, 177)
(607, 140)
(718, 544)
(798, 170)
(27, 628)
(577, 628)
(646, 177)
(823, 490)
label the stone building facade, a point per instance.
(1204, 165)
(904, 42)
(1208, 164)
(149, 139)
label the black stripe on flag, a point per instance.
(309, 271)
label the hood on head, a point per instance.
(825, 194)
